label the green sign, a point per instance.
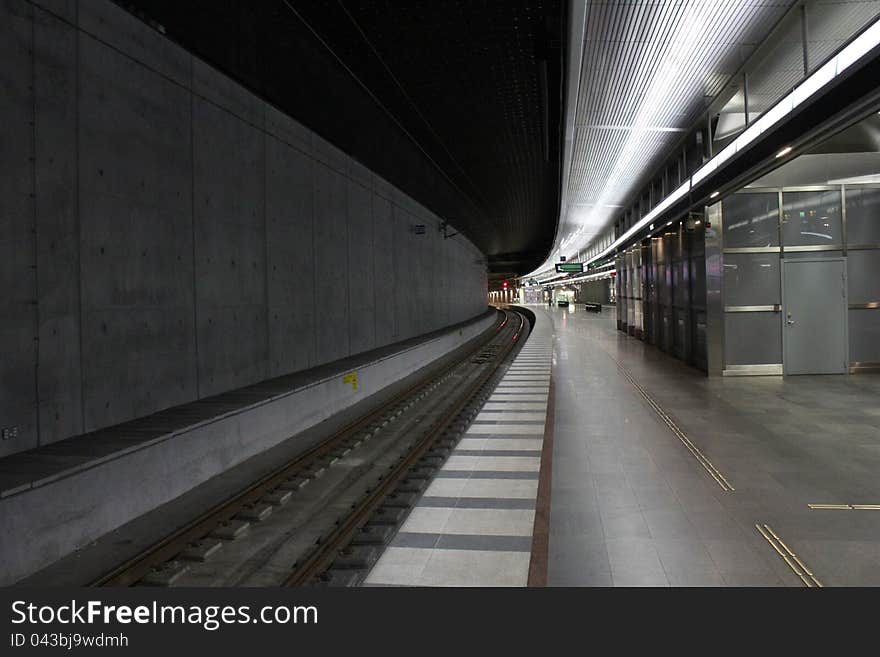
(570, 267)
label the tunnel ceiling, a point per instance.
(456, 102)
(649, 69)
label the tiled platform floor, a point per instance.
(473, 526)
(630, 505)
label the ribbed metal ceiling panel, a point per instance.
(649, 69)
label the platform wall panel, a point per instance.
(57, 227)
(18, 308)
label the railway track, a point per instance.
(324, 517)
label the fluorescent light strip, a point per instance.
(852, 53)
(785, 151)
(598, 271)
(581, 279)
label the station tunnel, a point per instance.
(506, 293)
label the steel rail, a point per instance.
(324, 553)
(133, 569)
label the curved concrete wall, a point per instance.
(167, 236)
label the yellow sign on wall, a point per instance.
(351, 379)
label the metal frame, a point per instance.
(815, 247)
(803, 188)
(856, 367)
(753, 249)
(791, 188)
(844, 248)
(775, 308)
(780, 217)
(714, 260)
(786, 361)
(805, 35)
(770, 369)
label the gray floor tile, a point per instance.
(575, 577)
(620, 475)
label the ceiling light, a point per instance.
(853, 52)
(784, 151)
(713, 194)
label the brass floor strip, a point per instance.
(797, 566)
(702, 459)
(844, 507)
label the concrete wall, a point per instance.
(165, 235)
(59, 514)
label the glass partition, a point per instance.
(751, 279)
(751, 220)
(862, 216)
(812, 218)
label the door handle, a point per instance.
(789, 322)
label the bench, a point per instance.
(595, 307)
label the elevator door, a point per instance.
(814, 310)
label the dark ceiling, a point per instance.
(457, 102)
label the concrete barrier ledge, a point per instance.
(53, 514)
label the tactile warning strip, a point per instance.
(703, 460)
(474, 525)
(794, 562)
